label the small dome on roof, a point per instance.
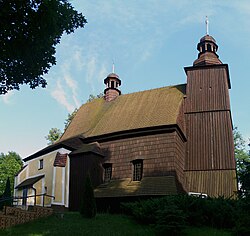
(113, 75)
(207, 38)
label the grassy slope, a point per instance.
(74, 224)
(103, 224)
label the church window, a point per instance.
(107, 172)
(40, 164)
(112, 84)
(137, 169)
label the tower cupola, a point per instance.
(112, 90)
(207, 48)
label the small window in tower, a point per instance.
(203, 48)
(107, 172)
(137, 169)
(40, 164)
(112, 84)
(209, 48)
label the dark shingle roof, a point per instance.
(29, 182)
(163, 185)
(144, 109)
(92, 147)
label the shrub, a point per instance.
(170, 220)
(213, 212)
(143, 211)
(242, 218)
(88, 207)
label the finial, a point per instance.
(113, 67)
(207, 22)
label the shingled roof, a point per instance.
(162, 185)
(144, 109)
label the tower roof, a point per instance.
(112, 75)
(207, 48)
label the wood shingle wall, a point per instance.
(162, 154)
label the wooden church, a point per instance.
(170, 140)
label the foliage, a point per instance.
(242, 162)
(69, 119)
(7, 193)
(10, 164)
(244, 179)
(242, 217)
(54, 135)
(170, 220)
(143, 211)
(88, 207)
(93, 97)
(241, 155)
(29, 33)
(172, 213)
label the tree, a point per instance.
(242, 162)
(88, 207)
(10, 164)
(244, 179)
(54, 135)
(92, 97)
(29, 33)
(240, 150)
(69, 119)
(7, 193)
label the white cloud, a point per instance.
(6, 97)
(61, 97)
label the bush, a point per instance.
(88, 207)
(172, 213)
(242, 218)
(170, 220)
(144, 211)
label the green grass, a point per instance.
(206, 232)
(75, 224)
(102, 224)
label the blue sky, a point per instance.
(150, 41)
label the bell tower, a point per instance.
(210, 164)
(112, 90)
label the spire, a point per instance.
(113, 67)
(207, 48)
(207, 22)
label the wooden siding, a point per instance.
(80, 165)
(210, 141)
(213, 183)
(162, 154)
(207, 90)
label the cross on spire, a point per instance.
(207, 22)
(113, 67)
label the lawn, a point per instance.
(102, 224)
